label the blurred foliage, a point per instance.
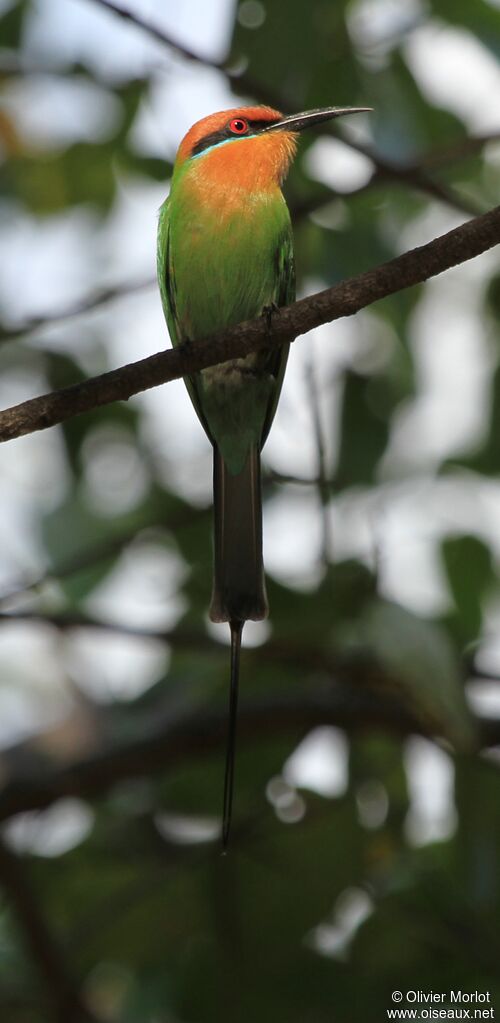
(326, 904)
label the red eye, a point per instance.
(238, 126)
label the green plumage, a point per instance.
(221, 261)
(225, 255)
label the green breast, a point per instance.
(224, 256)
(227, 261)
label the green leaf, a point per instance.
(299, 69)
(364, 430)
(493, 296)
(469, 569)
(153, 167)
(49, 182)
(316, 619)
(63, 371)
(481, 19)
(131, 94)
(12, 24)
(71, 530)
(405, 123)
(478, 843)
(419, 657)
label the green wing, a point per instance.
(165, 276)
(284, 295)
(166, 281)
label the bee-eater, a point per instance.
(225, 254)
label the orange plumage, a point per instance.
(256, 164)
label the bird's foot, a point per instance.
(267, 312)
(186, 347)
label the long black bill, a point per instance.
(297, 122)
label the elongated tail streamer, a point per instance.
(236, 631)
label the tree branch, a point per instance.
(403, 174)
(299, 210)
(345, 299)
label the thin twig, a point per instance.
(159, 35)
(411, 172)
(244, 83)
(460, 149)
(457, 246)
(86, 305)
(81, 560)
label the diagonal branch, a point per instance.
(460, 149)
(243, 83)
(72, 311)
(415, 176)
(158, 34)
(344, 299)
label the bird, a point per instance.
(225, 255)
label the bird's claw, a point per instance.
(267, 312)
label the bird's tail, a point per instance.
(239, 591)
(236, 630)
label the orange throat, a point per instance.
(253, 165)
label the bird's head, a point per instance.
(250, 142)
